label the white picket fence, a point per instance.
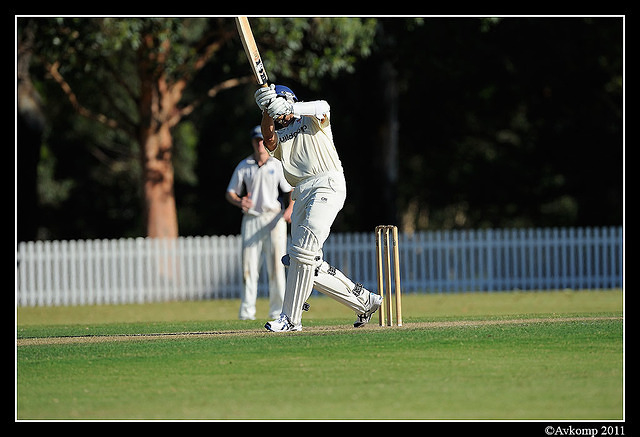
(128, 270)
(138, 270)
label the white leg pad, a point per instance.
(303, 257)
(335, 284)
(299, 287)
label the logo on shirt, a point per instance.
(291, 135)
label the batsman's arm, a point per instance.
(317, 108)
(269, 136)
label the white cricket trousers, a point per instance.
(318, 201)
(263, 237)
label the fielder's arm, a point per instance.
(244, 203)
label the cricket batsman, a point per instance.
(299, 135)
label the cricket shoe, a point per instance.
(375, 300)
(282, 324)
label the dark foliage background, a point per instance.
(449, 123)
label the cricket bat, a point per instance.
(251, 49)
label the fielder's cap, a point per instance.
(256, 132)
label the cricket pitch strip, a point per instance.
(313, 330)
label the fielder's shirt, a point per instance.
(263, 182)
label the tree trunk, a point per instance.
(160, 204)
(158, 103)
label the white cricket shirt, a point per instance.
(263, 182)
(306, 149)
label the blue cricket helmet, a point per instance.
(283, 91)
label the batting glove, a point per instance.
(279, 107)
(264, 96)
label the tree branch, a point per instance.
(52, 69)
(213, 91)
(204, 50)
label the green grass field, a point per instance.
(468, 356)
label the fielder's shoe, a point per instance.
(363, 319)
(282, 324)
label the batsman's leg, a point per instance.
(333, 283)
(302, 259)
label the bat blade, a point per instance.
(251, 49)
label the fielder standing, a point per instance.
(255, 188)
(301, 139)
